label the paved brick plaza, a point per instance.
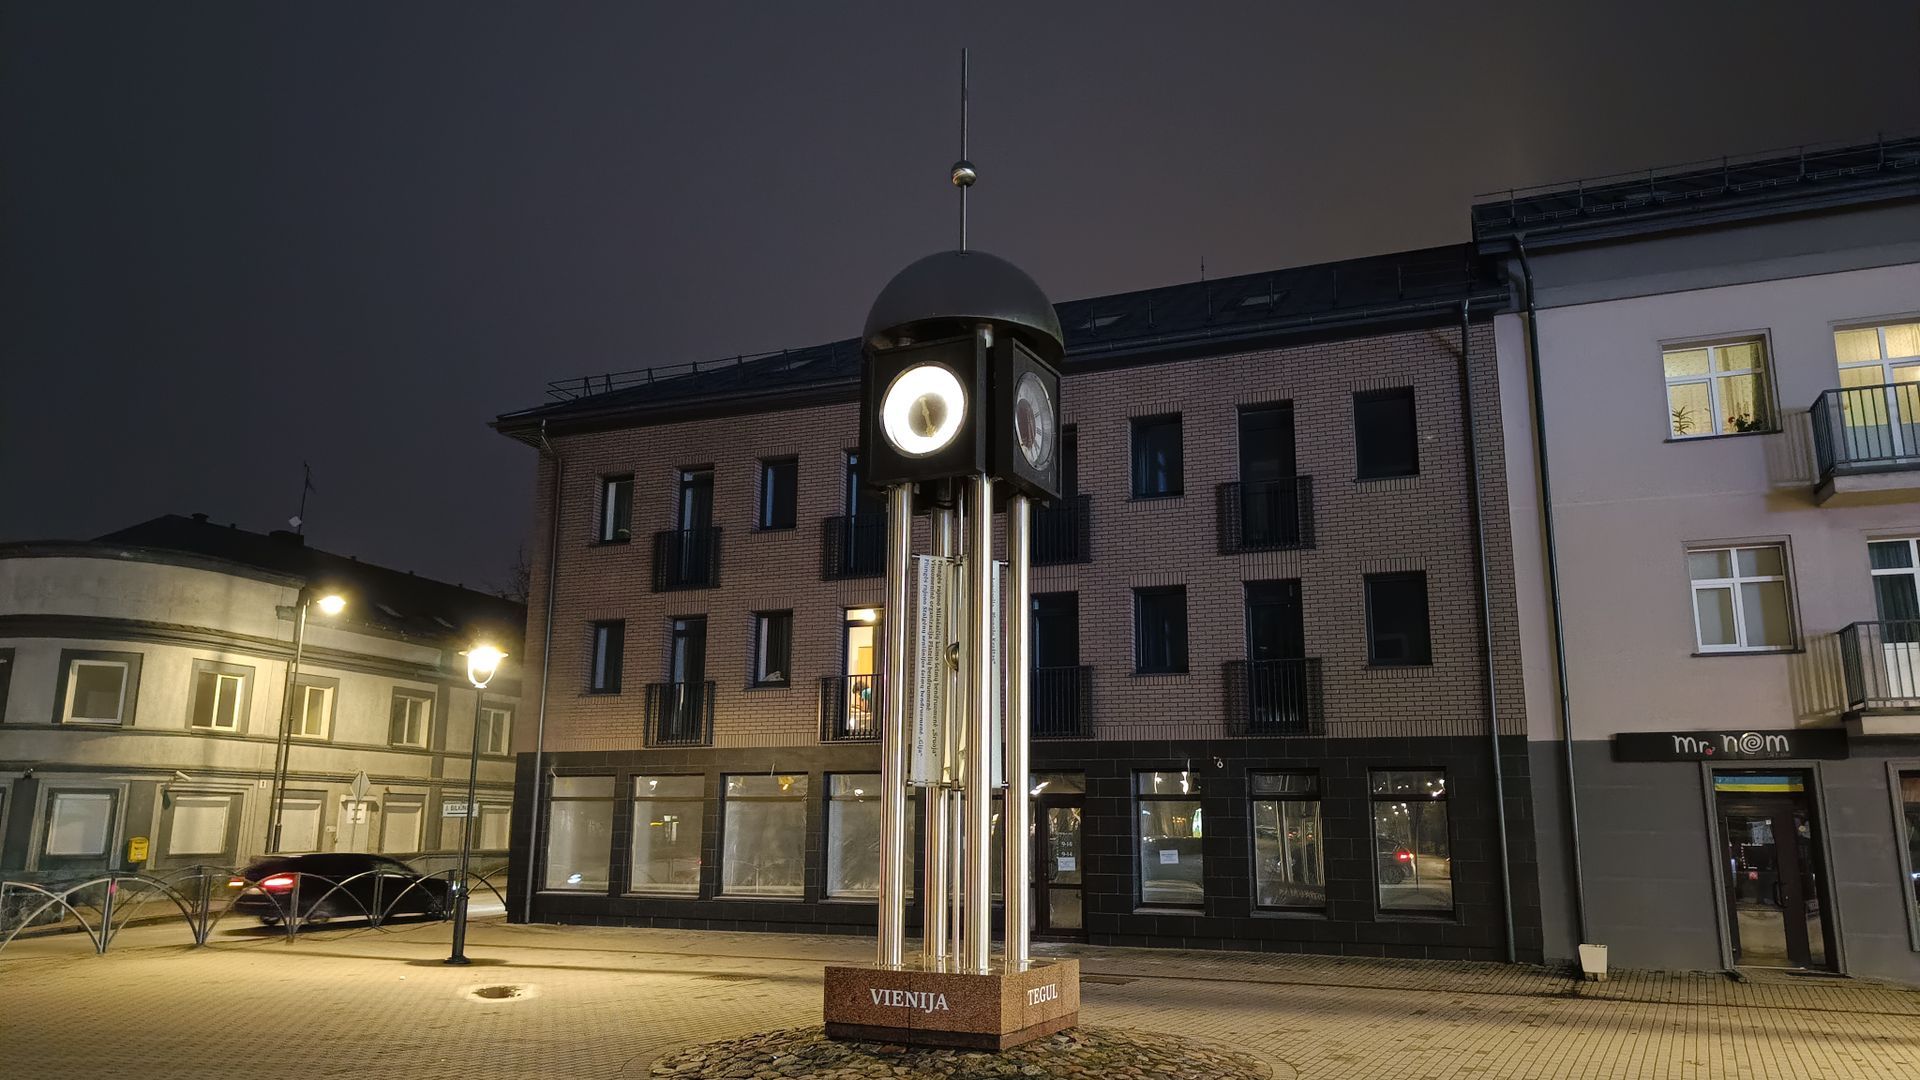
(606, 1002)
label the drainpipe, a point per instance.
(1486, 628)
(546, 666)
(1553, 590)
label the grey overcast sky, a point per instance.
(242, 236)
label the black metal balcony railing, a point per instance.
(1274, 697)
(1061, 702)
(1063, 531)
(849, 708)
(686, 559)
(1266, 515)
(680, 714)
(1867, 428)
(1880, 664)
(853, 546)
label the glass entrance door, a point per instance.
(1058, 879)
(1771, 857)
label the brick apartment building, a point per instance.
(1264, 708)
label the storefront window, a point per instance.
(764, 842)
(667, 813)
(1287, 865)
(1171, 870)
(580, 833)
(853, 836)
(1413, 863)
(1910, 810)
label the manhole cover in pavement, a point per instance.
(497, 993)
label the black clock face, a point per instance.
(1034, 427)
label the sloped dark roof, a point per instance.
(1700, 193)
(389, 600)
(1347, 298)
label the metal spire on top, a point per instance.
(963, 171)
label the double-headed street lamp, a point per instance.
(330, 604)
(483, 661)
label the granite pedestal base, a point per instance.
(992, 1011)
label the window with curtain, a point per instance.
(1717, 389)
(667, 816)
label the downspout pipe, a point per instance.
(1486, 623)
(1553, 591)
(546, 668)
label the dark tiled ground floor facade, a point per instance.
(1368, 847)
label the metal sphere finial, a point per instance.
(963, 174)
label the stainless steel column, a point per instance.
(979, 725)
(893, 730)
(933, 897)
(1019, 724)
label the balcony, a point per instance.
(1274, 697)
(1266, 515)
(1060, 702)
(680, 714)
(853, 546)
(1866, 441)
(1880, 669)
(686, 559)
(849, 708)
(1063, 531)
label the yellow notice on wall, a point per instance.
(137, 849)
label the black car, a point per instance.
(337, 885)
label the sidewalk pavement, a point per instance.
(605, 1002)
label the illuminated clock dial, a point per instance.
(923, 409)
(1033, 421)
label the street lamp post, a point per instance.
(482, 662)
(329, 604)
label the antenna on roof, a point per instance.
(963, 172)
(299, 520)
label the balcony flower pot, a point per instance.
(1593, 962)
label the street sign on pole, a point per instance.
(932, 635)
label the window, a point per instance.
(580, 833)
(1385, 438)
(1159, 470)
(779, 488)
(1910, 813)
(409, 719)
(616, 509)
(853, 835)
(1895, 566)
(1717, 389)
(490, 833)
(1160, 630)
(609, 654)
(1170, 861)
(98, 687)
(1397, 632)
(300, 822)
(220, 696)
(313, 709)
(79, 824)
(772, 648)
(1876, 355)
(199, 825)
(1740, 598)
(1413, 864)
(495, 729)
(1288, 869)
(400, 826)
(763, 849)
(666, 834)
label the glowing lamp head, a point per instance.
(923, 409)
(482, 662)
(331, 604)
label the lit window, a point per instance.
(1740, 599)
(580, 833)
(667, 817)
(853, 835)
(763, 849)
(1717, 389)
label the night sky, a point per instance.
(240, 237)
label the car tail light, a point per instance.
(1403, 855)
(277, 883)
(236, 883)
